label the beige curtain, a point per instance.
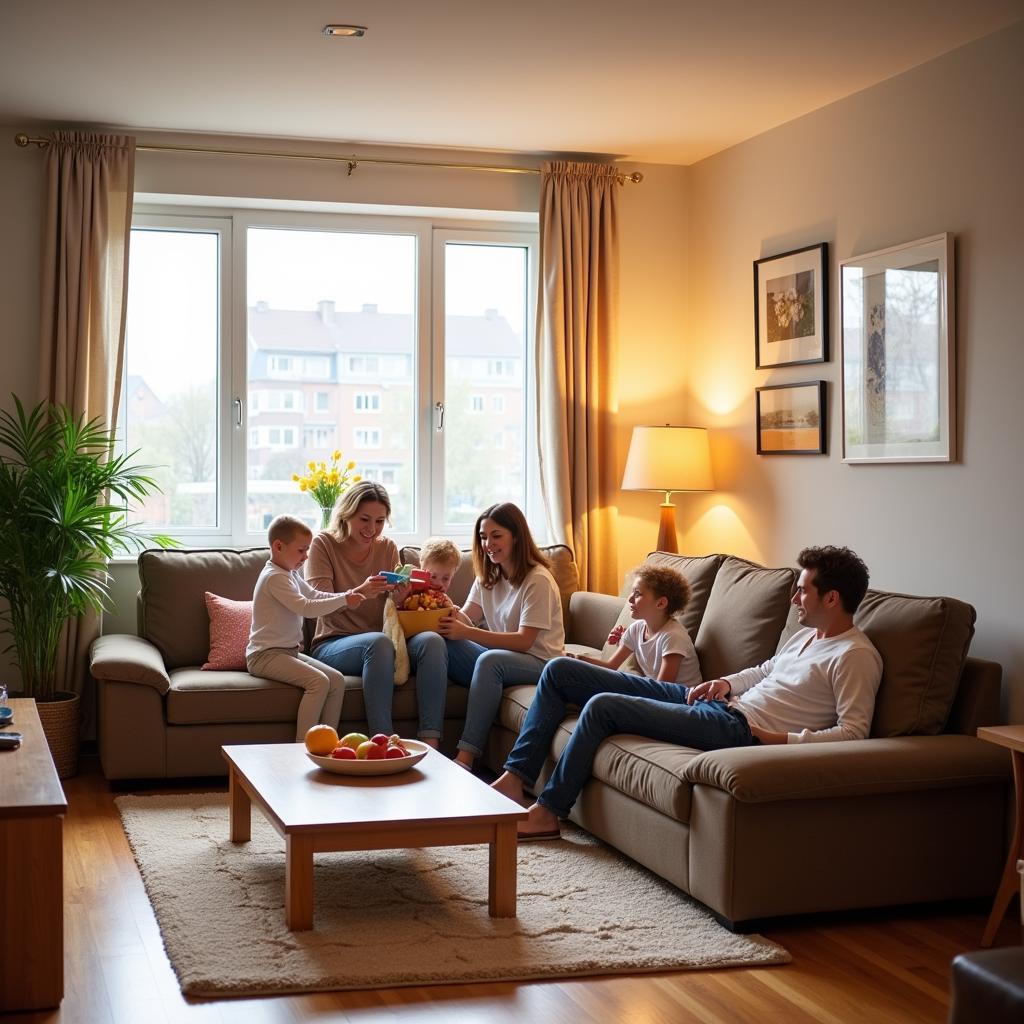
(577, 311)
(90, 179)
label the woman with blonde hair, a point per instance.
(517, 598)
(350, 555)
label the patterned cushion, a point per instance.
(230, 623)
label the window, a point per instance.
(365, 402)
(259, 340)
(366, 438)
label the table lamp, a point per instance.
(668, 459)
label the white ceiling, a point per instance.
(661, 81)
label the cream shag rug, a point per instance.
(406, 917)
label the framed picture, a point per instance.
(791, 307)
(791, 419)
(899, 386)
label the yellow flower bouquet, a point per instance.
(325, 483)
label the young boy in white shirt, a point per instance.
(656, 638)
(281, 600)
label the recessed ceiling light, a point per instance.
(344, 30)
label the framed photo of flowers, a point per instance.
(791, 418)
(899, 373)
(791, 307)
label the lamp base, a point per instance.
(667, 529)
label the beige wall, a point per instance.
(939, 148)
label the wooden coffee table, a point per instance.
(435, 803)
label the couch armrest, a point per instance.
(123, 658)
(811, 771)
(591, 617)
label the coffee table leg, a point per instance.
(298, 883)
(501, 887)
(1011, 879)
(240, 820)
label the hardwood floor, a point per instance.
(890, 967)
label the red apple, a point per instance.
(380, 739)
(370, 751)
(393, 752)
(343, 754)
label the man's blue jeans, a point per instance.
(486, 672)
(372, 656)
(612, 702)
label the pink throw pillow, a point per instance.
(230, 622)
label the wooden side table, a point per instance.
(32, 808)
(1012, 737)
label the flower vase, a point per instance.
(325, 516)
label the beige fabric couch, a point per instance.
(161, 716)
(916, 813)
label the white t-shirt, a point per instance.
(672, 638)
(536, 602)
(812, 689)
(280, 601)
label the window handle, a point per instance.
(238, 412)
(439, 416)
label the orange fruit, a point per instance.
(321, 740)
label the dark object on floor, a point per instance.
(988, 987)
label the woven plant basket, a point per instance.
(59, 718)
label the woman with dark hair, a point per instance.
(350, 555)
(518, 600)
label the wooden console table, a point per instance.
(1011, 736)
(32, 808)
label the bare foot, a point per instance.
(538, 822)
(509, 785)
(464, 759)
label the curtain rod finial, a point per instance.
(21, 139)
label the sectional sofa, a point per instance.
(915, 813)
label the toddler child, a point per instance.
(281, 600)
(441, 558)
(657, 639)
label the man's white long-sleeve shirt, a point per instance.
(813, 689)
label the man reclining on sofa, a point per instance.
(820, 686)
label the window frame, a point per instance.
(232, 222)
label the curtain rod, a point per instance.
(353, 161)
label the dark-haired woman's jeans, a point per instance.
(613, 702)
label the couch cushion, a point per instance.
(646, 770)
(923, 642)
(745, 614)
(201, 698)
(172, 604)
(560, 558)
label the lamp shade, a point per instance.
(668, 459)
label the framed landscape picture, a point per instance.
(899, 380)
(791, 419)
(791, 307)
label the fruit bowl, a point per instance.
(382, 766)
(421, 620)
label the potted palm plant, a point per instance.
(64, 494)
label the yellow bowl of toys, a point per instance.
(422, 612)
